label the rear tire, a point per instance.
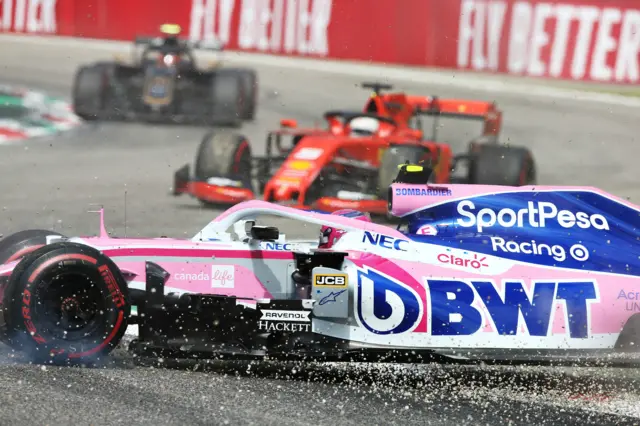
(88, 91)
(501, 165)
(392, 158)
(629, 338)
(228, 96)
(224, 155)
(19, 244)
(66, 303)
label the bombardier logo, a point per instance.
(424, 192)
(537, 215)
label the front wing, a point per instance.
(208, 192)
(215, 193)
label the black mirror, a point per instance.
(181, 180)
(265, 233)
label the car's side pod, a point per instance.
(164, 319)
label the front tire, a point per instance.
(66, 302)
(88, 91)
(224, 155)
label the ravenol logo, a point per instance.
(424, 192)
(330, 280)
(536, 215)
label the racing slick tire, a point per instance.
(88, 91)
(629, 338)
(501, 165)
(19, 244)
(392, 158)
(65, 303)
(249, 81)
(224, 155)
(228, 97)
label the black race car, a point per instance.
(164, 83)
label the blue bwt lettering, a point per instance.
(453, 314)
(388, 306)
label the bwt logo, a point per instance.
(387, 306)
(461, 308)
(384, 241)
(322, 280)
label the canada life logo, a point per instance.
(536, 214)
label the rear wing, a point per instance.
(159, 42)
(171, 40)
(434, 106)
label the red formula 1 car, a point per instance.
(352, 162)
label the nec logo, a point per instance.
(276, 246)
(330, 280)
(384, 241)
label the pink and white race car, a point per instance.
(472, 272)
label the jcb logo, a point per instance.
(331, 280)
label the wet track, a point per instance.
(50, 183)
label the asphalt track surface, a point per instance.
(50, 183)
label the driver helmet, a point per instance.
(364, 126)
(329, 235)
(170, 59)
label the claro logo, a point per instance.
(537, 215)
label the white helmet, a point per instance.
(364, 126)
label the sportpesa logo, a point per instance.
(424, 192)
(536, 215)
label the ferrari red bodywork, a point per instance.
(291, 174)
